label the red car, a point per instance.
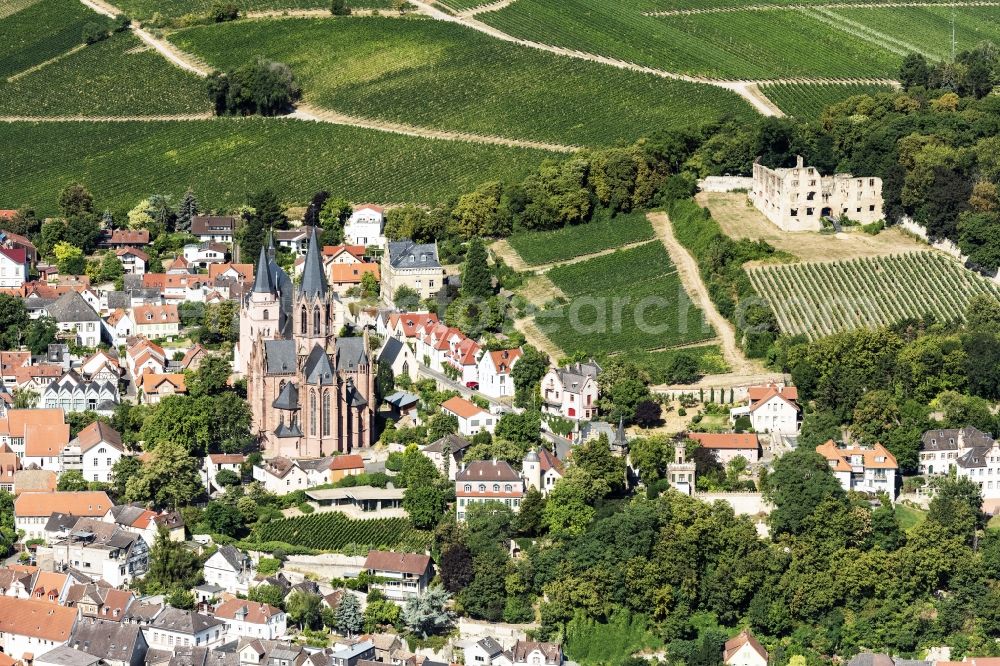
(472, 385)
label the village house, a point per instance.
(12, 241)
(102, 550)
(62, 656)
(401, 575)
(10, 361)
(351, 653)
(94, 452)
(202, 254)
(398, 356)
(120, 327)
(535, 653)
(133, 260)
(346, 465)
(404, 408)
(571, 392)
(344, 277)
(76, 319)
(156, 321)
(240, 273)
(869, 470)
(772, 408)
(114, 643)
(217, 228)
(448, 465)
(145, 356)
(744, 650)
(494, 372)
(485, 652)
(98, 601)
(147, 523)
(156, 386)
(406, 326)
(174, 628)
(29, 627)
(101, 366)
(18, 423)
(249, 619)
(36, 378)
(214, 463)
(541, 470)
(10, 464)
(488, 481)
(471, 418)
(282, 475)
(43, 445)
(72, 393)
(295, 240)
(33, 510)
(447, 350)
(118, 238)
(971, 453)
(13, 267)
(798, 198)
(366, 225)
(169, 287)
(412, 265)
(35, 481)
(729, 445)
(230, 569)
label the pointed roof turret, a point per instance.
(262, 283)
(313, 281)
(271, 250)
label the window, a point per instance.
(312, 412)
(507, 488)
(267, 315)
(302, 322)
(326, 413)
(496, 487)
(468, 487)
(316, 330)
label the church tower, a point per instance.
(313, 309)
(260, 315)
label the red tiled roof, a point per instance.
(347, 462)
(245, 270)
(725, 440)
(462, 407)
(257, 613)
(151, 382)
(39, 619)
(122, 251)
(85, 503)
(877, 457)
(17, 255)
(147, 315)
(743, 638)
(356, 251)
(352, 273)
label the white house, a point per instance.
(495, 372)
(13, 267)
(102, 550)
(230, 569)
(72, 393)
(744, 650)
(455, 445)
(862, 469)
(281, 475)
(971, 453)
(541, 470)
(156, 321)
(471, 418)
(133, 260)
(217, 228)
(29, 627)
(76, 319)
(120, 326)
(571, 392)
(365, 226)
(250, 619)
(214, 463)
(535, 653)
(94, 452)
(174, 628)
(488, 481)
(773, 408)
(33, 510)
(402, 575)
(203, 254)
(486, 652)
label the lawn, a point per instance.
(436, 74)
(603, 232)
(224, 159)
(42, 31)
(908, 516)
(737, 44)
(110, 78)
(625, 302)
(807, 101)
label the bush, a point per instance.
(682, 412)
(743, 424)
(306, 507)
(121, 23)
(93, 33)
(874, 228)
(340, 8)
(264, 88)
(225, 11)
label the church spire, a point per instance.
(313, 281)
(262, 283)
(270, 244)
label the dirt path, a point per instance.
(307, 112)
(537, 339)
(830, 5)
(693, 285)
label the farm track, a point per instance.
(829, 5)
(30, 70)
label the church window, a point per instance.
(267, 315)
(326, 413)
(406, 368)
(316, 320)
(312, 412)
(304, 321)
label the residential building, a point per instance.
(486, 652)
(471, 418)
(681, 472)
(94, 452)
(250, 619)
(282, 475)
(536, 653)
(157, 321)
(13, 267)
(352, 653)
(119, 238)
(101, 366)
(43, 445)
(133, 260)
(744, 650)
(214, 463)
(571, 392)
(729, 445)
(155, 386)
(940, 449)
(174, 628)
(76, 319)
(114, 643)
(10, 240)
(10, 464)
(35, 481)
(488, 481)
(72, 393)
(230, 569)
(33, 510)
(295, 240)
(99, 601)
(447, 453)
(347, 465)
(120, 326)
(217, 228)
(29, 627)
(366, 226)
(399, 358)
(102, 550)
(358, 498)
(869, 470)
(494, 372)
(344, 277)
(798, 198)
(145, 356)
(17, 425)
(402, 575)
(541, 470)
(412, 265)
(147, 523)
(203, 254)
(404, 407)
(773, 408)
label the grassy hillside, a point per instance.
(807, 101)
(115, 77)
(224, 159)
(442, 75)
(40, 31)
(747, 44)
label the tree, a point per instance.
(875, 416)
(527, 375)
(914, 71)
(93, 33)
(69, 258)
(227, 478)
(212, 376)
(124, 469)
(262, 87)
(25, 399)
(456, 567)
(221, 319)
(647, 413)
(170, 478)
(427, 614)
(171, 565)
(72, 480)
(162, 212)
(406, 298)
(111, 268)
(381, 613)
(186, 211)
(180, 598)
(370, 286)
(305, 609)
(441, 424)
(603, 472)
(332, 218)
(140, 217)
(340, 8)
(800, 481)
(567, 510)
(348, 618)
(530, 518)
(481, 213)
(486, 595)
(271, 595)
(13, 321)
(223, 518)
(425, 504)
(40, 334)
(225, 11)
(476, 278)
(957, 507)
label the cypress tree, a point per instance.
(187, 210)
(476, 278)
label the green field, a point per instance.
(334, 531)
(42, 31)
(807, 101)
(819, 299)
(709, 357)
(224, 159)
(748, 44)
(171, 9)
(106, 79)
(601, 233)
(436, 74)
(622, 302)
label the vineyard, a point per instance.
(737, 44)
(335, 531)
(105, 79)
(601, 233)
(226, 158)
(41, 31)
(382, 67)
(146, 9)
(818, 299)
(808, 101)
(628, 301)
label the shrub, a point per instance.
(93, 33)
(306, 507)
(225, 11)
(340, 8)
(682, 412)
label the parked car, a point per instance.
(472, 385)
